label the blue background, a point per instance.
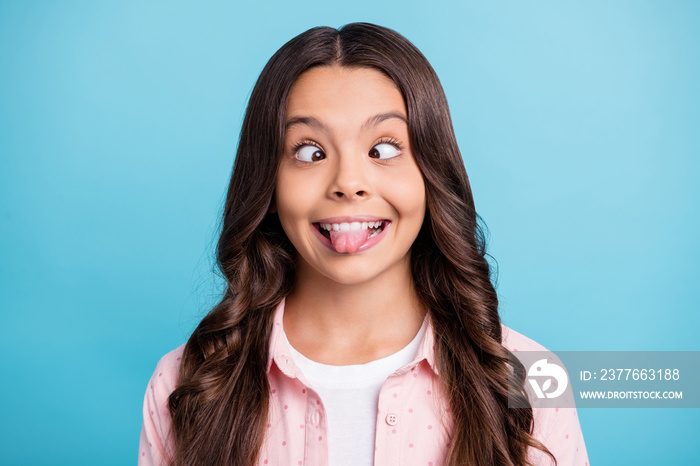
(119, 121)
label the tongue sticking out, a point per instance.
(349, 241)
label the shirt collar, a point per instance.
(280, 355)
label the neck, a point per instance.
(340, 324)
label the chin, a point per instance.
(359, 273)
(348, 278)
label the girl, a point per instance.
(359, 325)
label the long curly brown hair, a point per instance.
(220, 407)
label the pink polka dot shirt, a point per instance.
(413, 421)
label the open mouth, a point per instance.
(374, 227)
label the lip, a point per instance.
(368, 244)
(354, 218)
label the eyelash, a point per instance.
(303, 143)
(391, 141)
(385, 140)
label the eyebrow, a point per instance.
(319, 125)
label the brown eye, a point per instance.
(384, 151)
(310, 154)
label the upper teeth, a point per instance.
(352, 226)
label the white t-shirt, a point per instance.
(350, 395)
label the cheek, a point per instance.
(410, 194)
(292, 196)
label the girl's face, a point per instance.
(349, 194)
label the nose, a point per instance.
(350, 177)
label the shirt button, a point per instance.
(316, 418)
(391, 419)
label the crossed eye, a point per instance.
(309, 153)
(383, 151)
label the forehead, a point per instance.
(335, 92)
